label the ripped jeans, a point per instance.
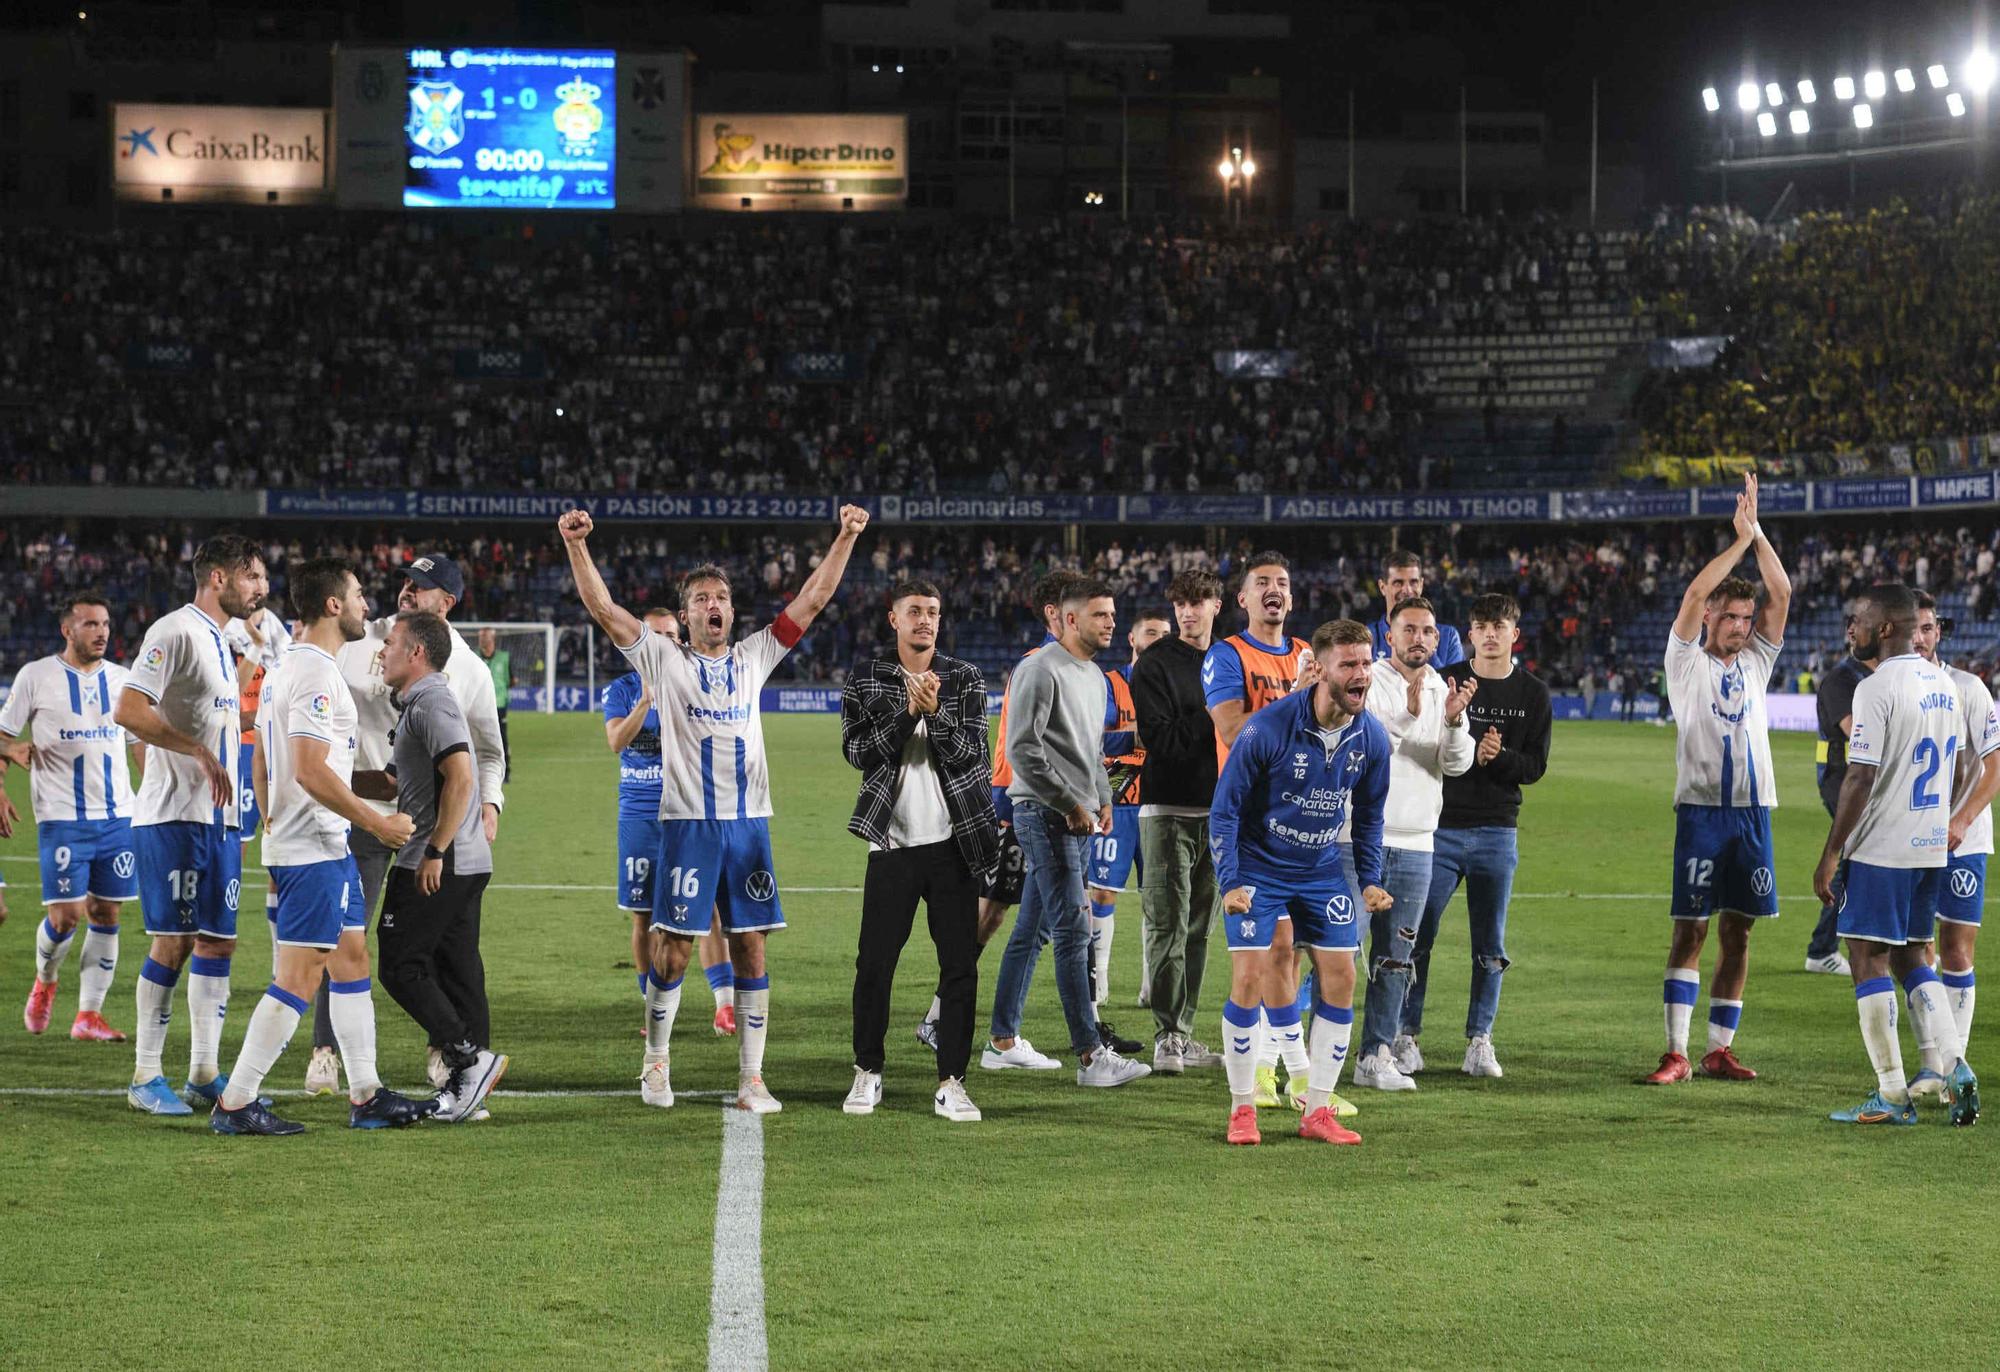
(1392, 940)
(1484, 860)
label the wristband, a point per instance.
(431, 852)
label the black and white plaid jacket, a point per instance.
(876, 724)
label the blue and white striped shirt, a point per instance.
(81, 770)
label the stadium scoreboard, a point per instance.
(510, 128)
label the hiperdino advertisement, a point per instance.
(801, 161)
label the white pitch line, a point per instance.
(736, 1293)
(71, 1091)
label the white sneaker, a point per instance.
(1833, 964)
(654, 1088)
(866, 1093)
(466, 1091)
(1479, 1059)
(323, 1073)
(754, 1096)
(1378, 1070)
(1106, 1068)
(1409, 1058)
(952, 1103)
(1021, 1055)
(1167, 1054)
(437, 1072)
(1195, 1053)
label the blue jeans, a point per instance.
(1484, 859)
(1392, 940)
(1053, 908)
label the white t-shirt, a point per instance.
(307, 699)
(711, 731)
(1723, 753)
(1423, 752)
(81, 770)
(1906, 725)
(184, 669)
(919, 815)
(1979, 730)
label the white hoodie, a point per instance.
(1423, 753)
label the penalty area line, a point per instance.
(70, 1091)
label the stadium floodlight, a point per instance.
(1956, 104)
(1249, 166)
(1767, 124)
(1807, 92)
(1801, 122)
(1843, 88)
(1226, 169)
(1875, 85)
(1939, 77)
(1774, 94)
(1864, 118)
(1710, 101)
(1906, 80)
(1748, 97)
(1979, 70)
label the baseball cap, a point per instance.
(435, 571)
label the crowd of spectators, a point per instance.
(222, 349)
(1848, 331)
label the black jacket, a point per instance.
(876, 724)
(1174, 726)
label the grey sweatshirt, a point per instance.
(1055, 731)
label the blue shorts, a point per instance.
(87, 857)
(188, 877)
(1003, 805)
(1890, 904)
(710, 864)
(1963, 898)
(1113, 855)
(638, 848)
(1723, 861)
(247, 794)
(318, 901)
(1324, 914)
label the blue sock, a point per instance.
(642, 984)
(721, 977)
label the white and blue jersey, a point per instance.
(1450, 649)
(1725, 785)
(1274, 826)
(638, 796)
(81, 783)
(1906, 726)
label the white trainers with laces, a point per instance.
(1409, 1058)
(865, 1094)
(1479, 1059)
(1195, 1053)
(754, 1096)
(323, 1073)
(952, 1103)
(437, 1073)
(1107, 1068)
(1378, 1069)
(1022, 1055)
(654, 1087)
(1833, 964)
(1167, 1054)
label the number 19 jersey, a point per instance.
(1906, 726)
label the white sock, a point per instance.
(1875, 999)
(208, 1006)
(663, 1002)
(100, 962)
(1931, 1021)
(1723, 1017)
(50, 950)
(1267, 1041)
(351, 1006)
(271, 1025)
(1102, 927)
(753, 1021)
(1290, 1038)
(1332, 1028)
(1958, 989)
(1242, 1038)
(937, 1008)
(1683, 988)
(155, 992)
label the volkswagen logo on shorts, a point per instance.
(229, 893)
(760, 886)
(1760, 881)
(122, 866)
(1964, 883)
(1340, 909)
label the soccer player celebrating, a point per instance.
(303, 764)
(60, 711)
(1894, 825)
(180, 701)
(1293, 774)
(1725, 787)
(632, 728)
(1963, 899)
(1403, 579)
(715, 804)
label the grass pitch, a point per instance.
(1562, 1215)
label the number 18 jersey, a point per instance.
(1906, 726)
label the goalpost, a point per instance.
(531, 650)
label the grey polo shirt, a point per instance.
(430, 729)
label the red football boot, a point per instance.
(1243, 1125)
(41, 1006)
(1673, 1067)
(1722, 1063)
(90, 1027)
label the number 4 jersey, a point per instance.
(1906, 726)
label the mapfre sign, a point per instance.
(218, 147)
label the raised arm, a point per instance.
(613, 618)
(1771, 571)
(620, 732)
(1687, 624)
(825, 579)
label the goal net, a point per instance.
(525, 655)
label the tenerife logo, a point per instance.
(649, 88)
(1964, 883)
(760, 886)
(437, 117)
(1249, 928)
(141, 140)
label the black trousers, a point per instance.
(897, 879)
(429, 952)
